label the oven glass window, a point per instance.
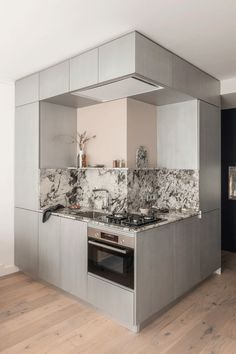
(110, 261)
(111, 264)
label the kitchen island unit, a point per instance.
(170, 258)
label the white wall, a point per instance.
(228, 93)
(228, 86)
(177, 135)
(7, 178)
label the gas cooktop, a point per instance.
(131, 220)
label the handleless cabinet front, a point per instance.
(27, 156)
(84, 70)
(210, 243)
(210, 157)
(54, 80)
(117, 58)
(113, 300)
(74, 257)
(154, 271)
(27, 90)
(189, 79)
(26, 241)
(186, 255)
(152, 61)
(49, 250)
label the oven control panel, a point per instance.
(111, 237)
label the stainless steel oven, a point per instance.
(111, 256)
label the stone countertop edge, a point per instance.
(171, 217)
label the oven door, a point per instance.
(112, 262)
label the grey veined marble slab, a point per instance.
(174, 189)
(115, 181)
(58, 186)
(128, 188)
(171, 217)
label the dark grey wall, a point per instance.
(228, 156)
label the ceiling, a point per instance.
(35, 34)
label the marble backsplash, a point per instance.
(174, 189)
(58, 186)
(115, 181)
(128, 189)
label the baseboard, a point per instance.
(8, 269)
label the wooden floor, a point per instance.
(35, 318)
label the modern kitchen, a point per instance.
(117, 178)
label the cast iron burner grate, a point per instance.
(133, 220)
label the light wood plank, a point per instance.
(36, 319)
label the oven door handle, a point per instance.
(107, 247)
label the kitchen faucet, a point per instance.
(107, 207)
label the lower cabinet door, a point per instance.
(210, 243)
(74, 257)
(113, 300)
(186, 256)
(154, 271)
(49, 250)
(26, 241)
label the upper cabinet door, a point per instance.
(175, 148)
(84, 70)
(210, 157)
(27, 156)
(152, 61)
(27, 90)
(191, 80)
(54, 80)
(117, 58)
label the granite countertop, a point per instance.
(172, 216)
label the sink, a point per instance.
(87, 213)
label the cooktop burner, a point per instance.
(133, 220)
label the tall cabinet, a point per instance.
(199, 150)
(27, 174)
(209, 188)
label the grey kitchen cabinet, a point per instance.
(210, 243)
(117, 58)
(74, 257)
(84, 70)
(27, 90)
(54, 80)
(113, 300)
(152, 61)
(27, 156)
(63, 254)
(186, 255)
(210, 157)
(49, 250)
(57, 123)
(154, 271)
(134, 53)
(189, 79)
(175, 148)
(26, 241)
